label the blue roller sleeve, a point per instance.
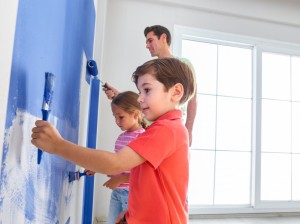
(92, 67)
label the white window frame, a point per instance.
(258, 45)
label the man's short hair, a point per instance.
(158, 30)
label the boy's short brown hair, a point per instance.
(169, 71)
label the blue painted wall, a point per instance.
(51, 36)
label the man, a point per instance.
(158, 41)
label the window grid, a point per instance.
(255, 203)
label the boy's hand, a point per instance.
(45, 136)
(110, 91)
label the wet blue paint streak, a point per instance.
(68, 221)
(29, 195)
(91, 143)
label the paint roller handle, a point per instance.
(105, 85)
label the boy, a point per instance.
(158, 158)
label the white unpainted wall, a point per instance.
(8, 17)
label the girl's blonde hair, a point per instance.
(127, 101)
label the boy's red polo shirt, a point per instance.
(158, 187)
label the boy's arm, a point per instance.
(47, 138)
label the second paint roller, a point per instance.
(47, 102)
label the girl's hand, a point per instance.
(113, 182)
(89, 172)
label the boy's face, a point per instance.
(153, 44)
(154, 99)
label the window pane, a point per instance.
(232, 177)
(296, 177)
(201, 184)
(204, 131)
(276, 76)
(275, 176)
(276, 126)
(233, 124)
(234, 71)
(296, 128)
(295, 78)
(203, 56)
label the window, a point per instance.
(245, 153)
(280, 126)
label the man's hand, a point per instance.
(110, 91)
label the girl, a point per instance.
(128, 117)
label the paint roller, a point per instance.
(93, 70)
(47, 102)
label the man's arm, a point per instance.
(191, 107)
(190, 117)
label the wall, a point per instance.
(124, 42)
(48, 36)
